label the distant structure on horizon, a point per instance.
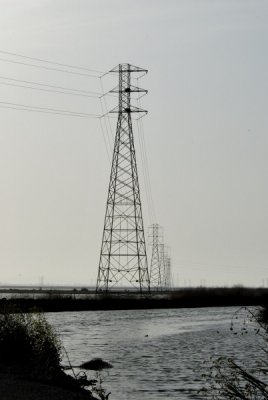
(123, 258)
(160, 266)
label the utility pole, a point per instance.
(123, 258)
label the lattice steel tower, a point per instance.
(157, 269)
(168, 275)
(123, 258)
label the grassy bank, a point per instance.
(182, 298)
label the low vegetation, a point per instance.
(30, 348)
(228, 379)
(55, 301)
(28, 341)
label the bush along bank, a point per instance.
(30, 351)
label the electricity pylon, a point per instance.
(123, 258)
(167, 273)
(160, 269)
(157, 258)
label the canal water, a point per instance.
(156, 354)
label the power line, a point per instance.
(108, 127)
(50, 86)
(144, 175)
(47, 110)
(105, 142)
(108, 138)
(49, 68)
(145, 169)
(50, 62)
(48, 90)
(147, 173)
(145, 166)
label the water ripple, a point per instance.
(156, 354)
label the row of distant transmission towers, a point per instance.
(160, 268)
(123, 257)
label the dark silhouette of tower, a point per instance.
(123, 258)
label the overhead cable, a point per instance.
(145, 167)
(51, 86)
(48, 90)
(105, 142)
(49, 68)
(25, 107)
(145, 176)
(50, 62)
(104, 109)
(147, 173)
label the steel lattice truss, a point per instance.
(123, 258)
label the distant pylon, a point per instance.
(157, 257)
(160, 268)
(167, 270)
(123, 258)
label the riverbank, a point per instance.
(30, 361)
(84, 301)
(13, 386)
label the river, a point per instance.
(156, 354)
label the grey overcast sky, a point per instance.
(205, 135)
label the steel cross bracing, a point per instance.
(123, 258)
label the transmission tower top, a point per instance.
(125, 88)
(127, 68)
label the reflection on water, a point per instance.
(155, 353)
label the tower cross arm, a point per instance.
(130, 89)
(128, 110)
(129, 68)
